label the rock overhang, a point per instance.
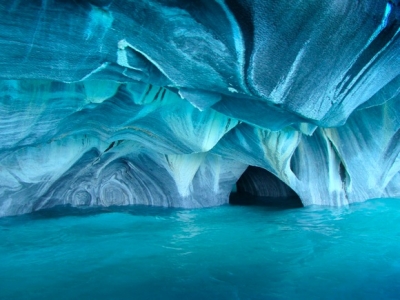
(198, 90)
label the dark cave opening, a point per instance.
(257, 186)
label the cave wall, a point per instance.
(166, 103)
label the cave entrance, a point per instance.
(257, 186)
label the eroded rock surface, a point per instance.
(167, 102)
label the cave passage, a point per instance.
(257, 186)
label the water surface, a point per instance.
(228, 252)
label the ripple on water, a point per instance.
(228, 252)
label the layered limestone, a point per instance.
(167, 103)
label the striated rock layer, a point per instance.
(167, 102)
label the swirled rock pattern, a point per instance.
(166, 102)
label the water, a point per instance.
(229, 252)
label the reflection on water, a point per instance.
(188, 227)
(228, 252)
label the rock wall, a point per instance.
(167, 102)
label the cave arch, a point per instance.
(258, 186)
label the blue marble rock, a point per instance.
(167, 102)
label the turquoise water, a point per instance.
(228, 252)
